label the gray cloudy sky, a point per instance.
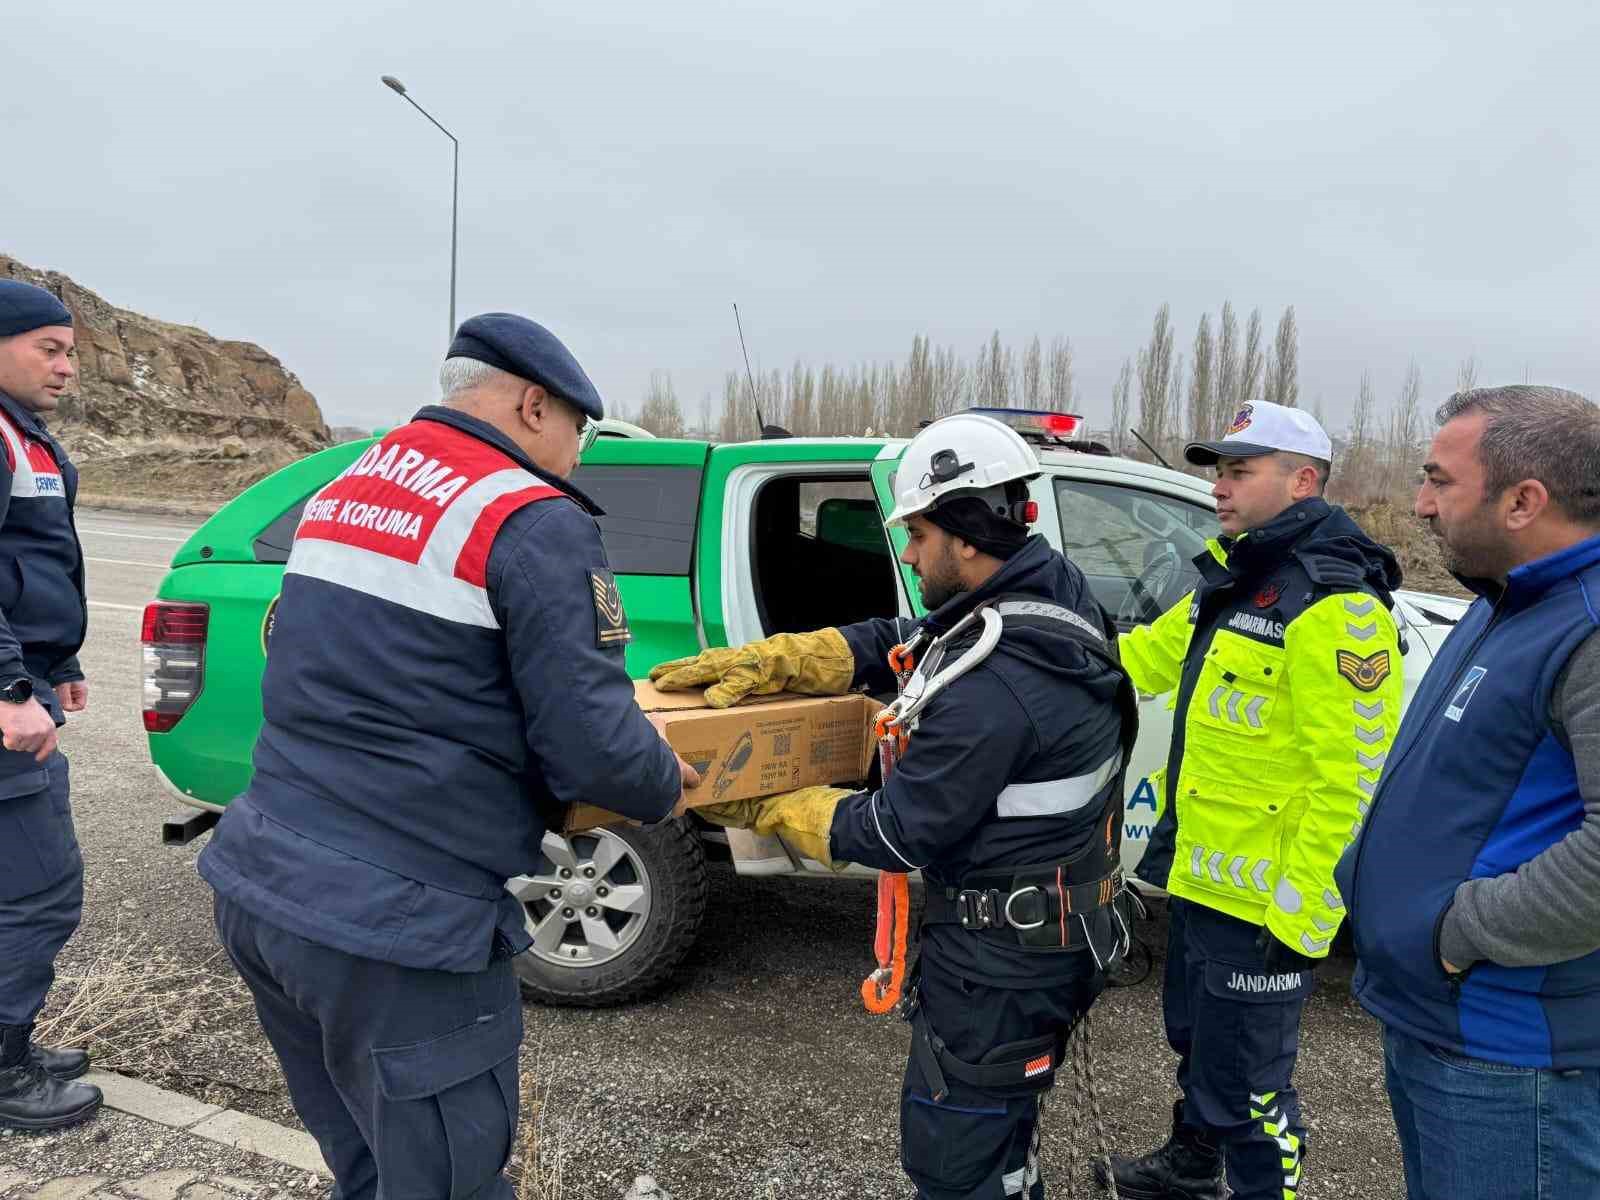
(1417, 180)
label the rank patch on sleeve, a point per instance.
(1365, 673)
(610, 622)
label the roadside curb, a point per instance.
(134, 504)
(225, 1126)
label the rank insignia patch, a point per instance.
(610, 622)
(1365, 673)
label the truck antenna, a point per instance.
(1151, 448)
(754, 398)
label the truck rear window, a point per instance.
(650, 518)
(648, 528)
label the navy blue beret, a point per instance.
(24, 307)
(529, 351)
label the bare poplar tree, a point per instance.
(802, 404)
(1405, 431)
(995, 376)
(1202, 382)
(660, 412)
(1467, 374)
(1155, 380)
(1175, 405)
(1250, 360)
(705, 430)
(914, 397)
(1227, 369)
(1033, 375)
(738, 410)
(1060, 386)
(950, 382)
(1283, 370)
(1121, 394)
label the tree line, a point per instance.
(1171, 395)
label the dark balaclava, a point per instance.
(982, 521)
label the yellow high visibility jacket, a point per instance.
(1286, 674)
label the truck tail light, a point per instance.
(174, 652)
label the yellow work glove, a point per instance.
(813, 664)
(801, 818)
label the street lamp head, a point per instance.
(391, 82)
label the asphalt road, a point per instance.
(757, 1075)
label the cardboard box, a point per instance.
(767, 745)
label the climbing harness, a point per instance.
(919, 682)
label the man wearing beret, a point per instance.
(43, 618)
(446, 676)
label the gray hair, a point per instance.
(459, 375)
(1542, 433)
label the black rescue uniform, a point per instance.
(43, 618)
(1009, 800)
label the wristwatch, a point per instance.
(18, 691)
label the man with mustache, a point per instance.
(1474, 889)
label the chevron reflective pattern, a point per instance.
(1241, 871)
(1369, 730)
(1232, 705)
(1264, 1108)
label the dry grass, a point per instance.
(538, 1164)
(1393, 524)
(135, 1002)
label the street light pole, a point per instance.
(399, 89)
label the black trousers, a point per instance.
(976, 1145)
(41, 880)
(407, 1078)
(1237, 1031)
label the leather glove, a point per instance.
(813, 664)
(1281, 959)
(801, 818)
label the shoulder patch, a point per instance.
(1269, 594)
(610, 622)
(1364, 674)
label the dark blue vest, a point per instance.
(1476, 785)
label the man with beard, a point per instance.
(1474, 891)
(1008, 799)
(1286, 667)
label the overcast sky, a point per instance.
(1417, 180)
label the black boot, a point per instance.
(1187, 1167)
(63, 1064)
(32, 1098)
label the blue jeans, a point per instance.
(1470, 1128)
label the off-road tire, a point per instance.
(676, 861)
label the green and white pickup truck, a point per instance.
(712, 545)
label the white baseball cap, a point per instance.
(1261, 427)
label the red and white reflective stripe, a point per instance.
(369, 533)
(1037, 1066)
(34, 471)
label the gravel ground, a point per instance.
(121, 1147)
(756, 1075)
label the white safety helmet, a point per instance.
(961, 455)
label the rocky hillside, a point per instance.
(165, 411)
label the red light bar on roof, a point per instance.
(1036, 422)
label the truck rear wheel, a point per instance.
(612, 913)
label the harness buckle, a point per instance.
(979, 908)
(1044, 908)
